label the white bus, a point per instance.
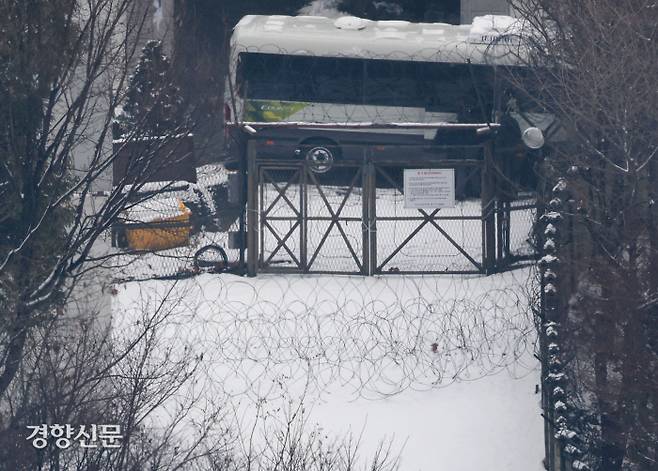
(306, 69)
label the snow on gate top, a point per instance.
(491, 39)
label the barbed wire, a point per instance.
(374, 336)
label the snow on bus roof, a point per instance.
(491, 39)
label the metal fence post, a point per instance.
(303, 210)
(252, 209)
(242, 223)
(489, 210)
(365, 216)
(372, 216)
(503, 221)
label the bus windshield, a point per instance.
(442, 87)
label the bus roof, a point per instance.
(491, 39)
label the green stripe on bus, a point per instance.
(271, 110)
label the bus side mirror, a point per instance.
(533, 138)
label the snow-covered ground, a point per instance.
(492, 423)
(441, 364)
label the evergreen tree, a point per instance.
(153, 103)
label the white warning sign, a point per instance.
(429, 188)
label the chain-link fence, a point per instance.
(177, 229)
(516, 231)
(358, 214)
(352, 217)
(417, 240)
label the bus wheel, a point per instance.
(320, 153)
(320, 159)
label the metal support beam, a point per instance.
(489, 210)
(252, 209)
(369, 224)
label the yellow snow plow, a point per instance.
(163, 232)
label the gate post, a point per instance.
(365, 216)
(488, 196)
(503, 228)
(368, 219)
(244, 195)
(252, 209)
(372, 218)
(500, 231)
(303, 210)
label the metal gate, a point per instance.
(306, 225)
(448, 240)
(352, 220)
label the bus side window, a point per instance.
(336, 80)
(393, 83)
(439, 85)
